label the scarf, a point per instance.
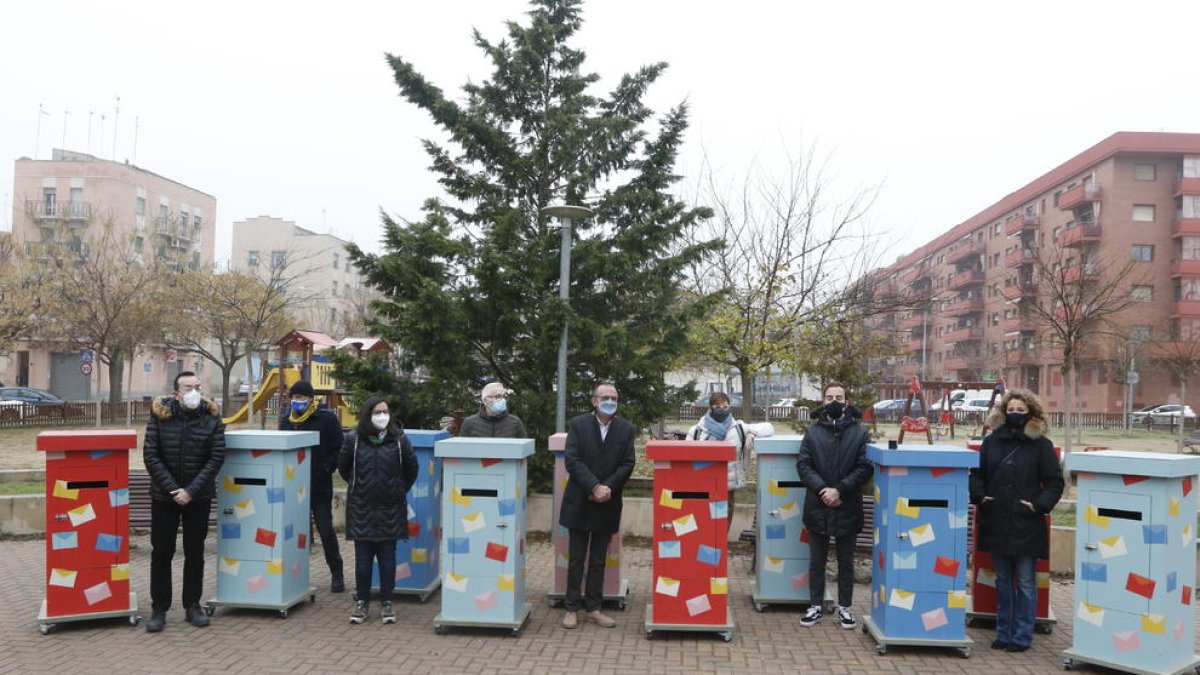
(717, 431)
(297, 420)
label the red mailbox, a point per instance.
(690, 587)
(87, 526)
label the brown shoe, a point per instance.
(603, 620)
(571, 620)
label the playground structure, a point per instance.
(946, 423)
(304, 355)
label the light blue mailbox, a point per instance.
(919, 585)
(781, 551)
(1135, 561)
(483, 544)
(417, 570)
(263, 520)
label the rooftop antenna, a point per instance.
(37, 139)
(66, 113)
(137, 122)
(116, 127)
(90, 114)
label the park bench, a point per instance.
(139, 502)
(1191, 444)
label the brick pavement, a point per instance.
(318, 638)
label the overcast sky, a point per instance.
(288, 108)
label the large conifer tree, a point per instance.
(472, 287)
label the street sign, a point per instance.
(87, 356)
(172, 356)
(86, 369)
(1132, 377)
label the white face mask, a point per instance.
(380, 420)
(191, 399)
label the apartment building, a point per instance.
(327, 290)
(59, 200)
(1133, 198)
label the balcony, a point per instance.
(58, 210)
(1020, 324)
(1080, 194)
(1018, 291)
(968, 306)
(1185, 268)
(916, 345)
(965, 280)
(1078, 273)
(1018, 357)
(911, 276)
(957, 363)
(1078, 235)
(1186, 227)
(1020, 257)
(912, 322)
(964, 334)
(964, 250)
(1187, 186)
(1185, 308)
(1020, 223)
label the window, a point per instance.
(138, 243)
(996, 230)
(1191, 166)
(335, 263)
(1143, 213)
(47, 234)
(278, 259)
(332, 315)
(1142, 253)
(196, 222)
(334, 292)
(252, 258)
(76, 202)
(183, 221)
(1144, 171)
(1141, 333)
(49, 201)
(1190, 248)
(195, 264)
(162, 215)
(1141, 293)
(139, 207)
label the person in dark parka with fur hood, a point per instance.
(1017, 484)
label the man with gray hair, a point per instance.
(493, 419)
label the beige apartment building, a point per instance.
(1131, 197)
(326, 289)
(58, 200)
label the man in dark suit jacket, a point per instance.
(599, 459)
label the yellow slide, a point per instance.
(270, 386)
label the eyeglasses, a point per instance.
(606, 398)
(495, 397)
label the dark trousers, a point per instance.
(592, 547)
(322, 515)
(165, 517)
(818, 548)
(366, 553)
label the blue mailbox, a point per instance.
(483, 546)
(263, 520)
(417, 570)
(1135, 561)
(919, 585)
(781, 553)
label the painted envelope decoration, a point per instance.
(1155, 624)
(62, 578)
(275, 566)
(244, 509)
(64, 540)
(118, 497)
(457, 497)
(1093, 571)
(718, 510)
(800, 581)
(773, 565)
(497, 552)
(667, 586)
(902, 599)
(81, 515)
(934, 619)
(473, 522)
(774, 489)
(921, 535)
(63, 492)
(1089, 613)
(709, 555)
(985, 577)
(420, 555)
(904, 560)
(718, 586)
(1172, 506)
(1140, 585)
(506, 582)
(698, 605)
(1186, 535)
(684, 525)
(229, 485)
(256, 583)
(946, 566)
(956, 599)
(903, 509)
(1112, 547)
(98, 593)
(403, 571)
(1154, 534)
(669, 549)
(1126, 641)
(119, 572)
(1092, 516)
(667, 499)
(289, 472)
(301, 494)
(230, 566)
(789, 510)
(958, 519)
(456, 582)
(265, 537)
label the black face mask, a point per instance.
(835, 409)
(719, 415)
(1016, 420)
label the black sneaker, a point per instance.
(196, 616)
(337, 585)
(359, 614)
(845, 618)
(388, 614)
(156, 622)
(811, 616)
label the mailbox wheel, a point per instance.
(622, 604)
(649, 634)
(1068, 664)
(44, 628)
(554, 602)
(516, 632)
(727, 636)
(439, 629)
(312, 597)
(760, 606)
(965, 652)
(209, 609)
(972, 622)
(882, 649)
(1044, 628)
(134, 619)
(283, 613)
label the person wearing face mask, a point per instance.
(493, 419)
(719, 424)
(305, 414)
(832, 464)
(183, 451)
(599, 457)
(379, 466)
(1018, 482)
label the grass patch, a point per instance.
(23, 487)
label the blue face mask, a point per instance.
(299, 406)
(499, 406)
(607, 408)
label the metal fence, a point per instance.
(16, 415)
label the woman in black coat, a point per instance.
(378, 464)
(1018, 482)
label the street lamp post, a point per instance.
(565, 215)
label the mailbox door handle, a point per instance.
(1091, 547)
(60, 516)
(902, 535)
(773, 512)
(228, 512)
(665, 526)
(501, 525)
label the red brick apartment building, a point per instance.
(1133, 196)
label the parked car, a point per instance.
(25, 400)
(1163, 414)
(246, 388)
(973, 405)
(784, 403)
(893, 410)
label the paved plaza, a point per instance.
(317, 638)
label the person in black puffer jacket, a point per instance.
(379, 465)
(306, 414)
(183, 451)
(833, 466)
(1018, 482)
(493, 419)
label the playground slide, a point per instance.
(270, 385)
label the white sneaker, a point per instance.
(845, 618)
(811, 616)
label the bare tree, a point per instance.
(1079, 296)
(21, 288)
(1179, 355)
